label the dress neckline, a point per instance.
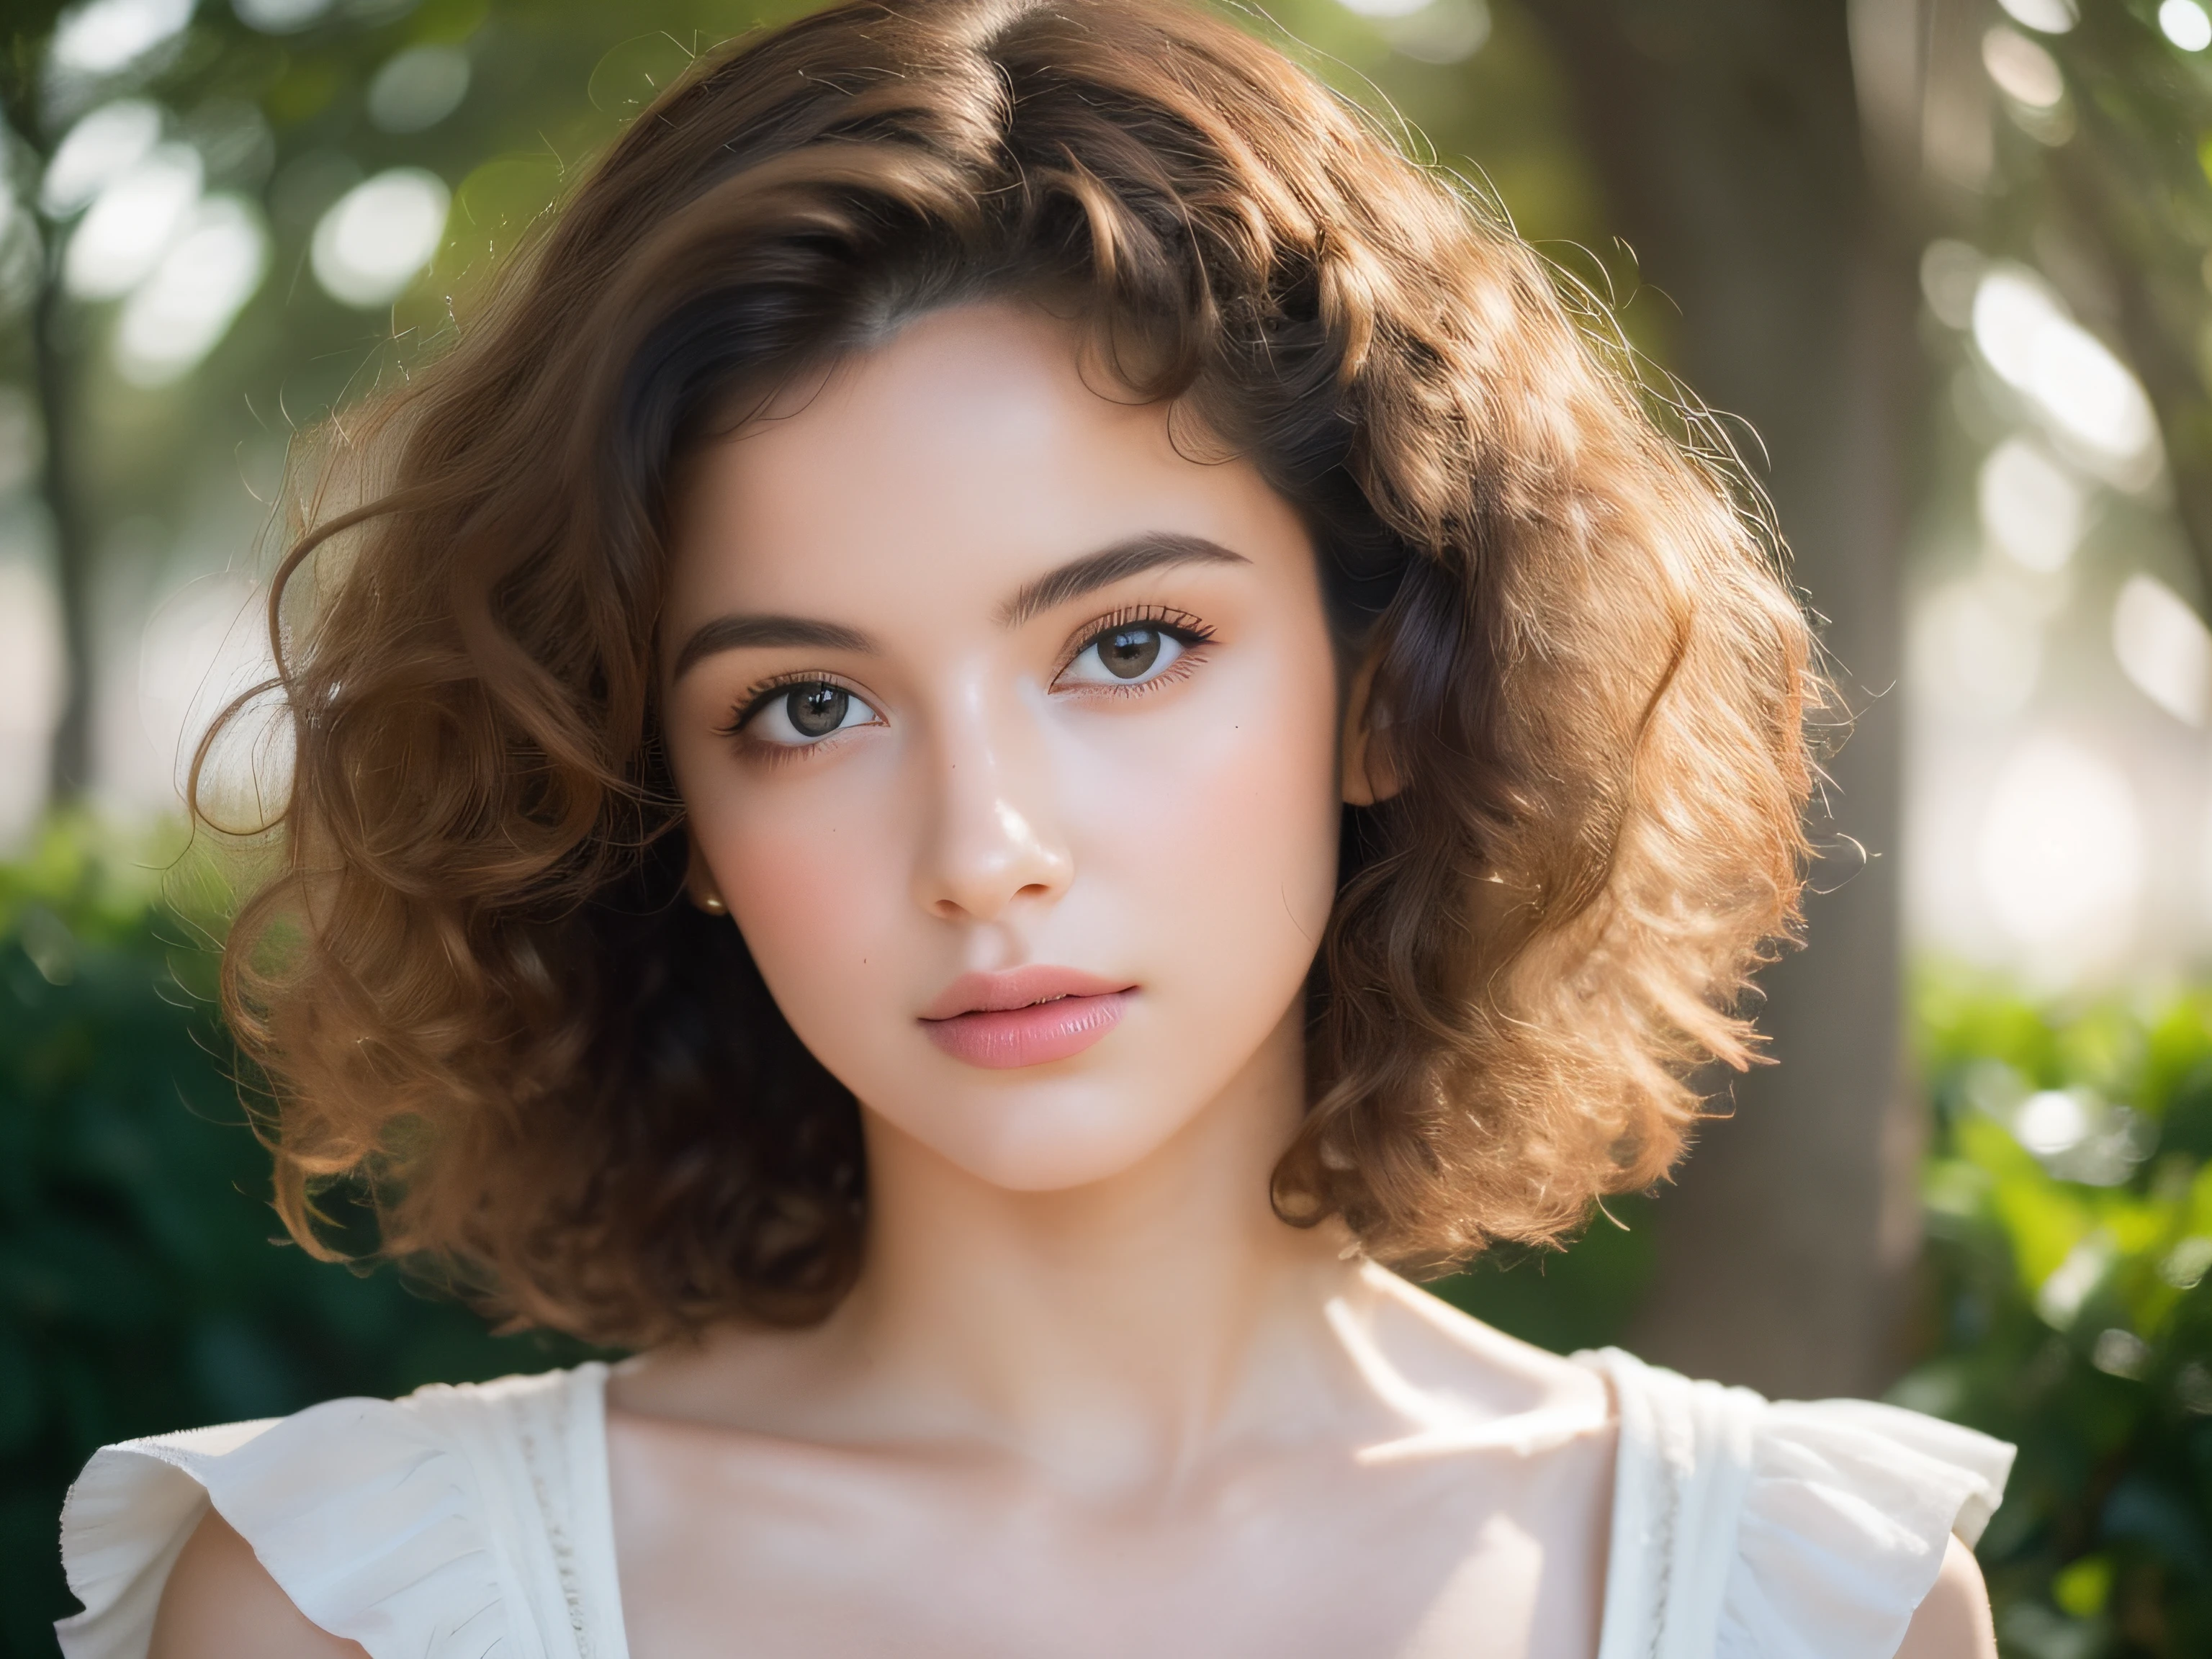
(608, 1637)
(596, 1528)
(477, 1518)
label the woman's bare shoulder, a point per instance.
(1438, 1348)
(221, 1603)
(1954, 1621)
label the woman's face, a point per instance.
(1009, 735)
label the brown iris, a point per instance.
(1127, 653)
(817, 710)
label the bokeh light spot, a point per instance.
(2163, 646)
(2068, 375)
(1950, 272)
(108, 35)
(2061, 851)
(2186, 24)
(2050, 1122)
(2030, 506)
(2022, 69)
(1978, 644)
(418, 89)
(374, 240)
(2044, 17)
(1384, 8)
(131, 223)
(280, 16)
(1442, 32)
(113, 137)
(179, 312)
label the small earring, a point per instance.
(712, 904)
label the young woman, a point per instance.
(1024, 711)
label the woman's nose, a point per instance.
(995, 840)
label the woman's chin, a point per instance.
(1037, 1144)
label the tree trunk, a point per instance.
(1728, 136)
(70, 750)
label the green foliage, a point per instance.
(1564, 1300)
(2068, 1198)
(140, 1286)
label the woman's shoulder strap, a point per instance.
(1745, 1528)
(418, 1528)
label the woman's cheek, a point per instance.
(1235, 858)
(808, 891)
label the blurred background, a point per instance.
(1943, 266)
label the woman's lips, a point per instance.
(1026, 1016)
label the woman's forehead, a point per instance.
(971, 449)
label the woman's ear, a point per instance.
(1367, 774)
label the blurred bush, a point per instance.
(1582, 1297)
(2068, 1203)
(141, 1288)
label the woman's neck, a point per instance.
(1126, 1322)
(1115, 1334)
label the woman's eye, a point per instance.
(794, 716)
(1126, 655)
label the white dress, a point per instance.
(473, 1523)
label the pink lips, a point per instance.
(1024, 1017)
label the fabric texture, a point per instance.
(473, 1523)
(468, 1522)
(1744, 1528)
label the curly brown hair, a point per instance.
(471, 986)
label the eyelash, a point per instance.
(1180, 626)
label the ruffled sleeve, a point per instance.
(411, 1526)
(1849, 1510)
(1750, 1529)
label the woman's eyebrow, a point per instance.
(1055, 587)
(735, 633)
(1113, 564)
